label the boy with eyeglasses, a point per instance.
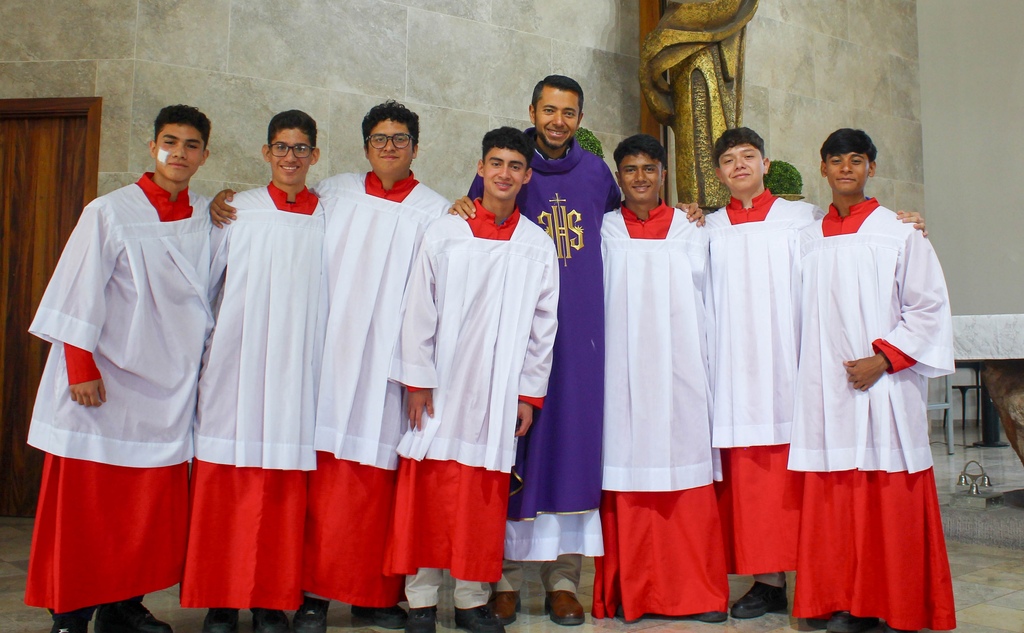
(127, 313)
(254, 430)
(374, 229)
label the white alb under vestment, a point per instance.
(132, 290)
(479, 326)
(882, 282)
(753, 324)
(657, 431)
(371, 244)
(257, 401)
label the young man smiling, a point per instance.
(475, 352)
(875, 326)
(127, 313)
(663, 551)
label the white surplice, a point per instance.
(657, 412)
(132, 290)
(753, 324)
(882, 282)
(369, 251)
(257, 401)
(478, 329)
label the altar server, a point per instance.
(127, 313)
(876, 326)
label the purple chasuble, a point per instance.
(559, 460)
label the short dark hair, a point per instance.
(508, 138)
(640, 144)
(735, 137)
(848, 141)
(292, 120)
(559, 82)
(391, 110)
(182, 115)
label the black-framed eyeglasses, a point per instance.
(301, 150)
(380, 141)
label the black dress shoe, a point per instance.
(709, 616)
(478, 620)
(843, 622)
(269, 621)
(384, 617)
(311, 616)
(128, 616)
(888, 629)
(221, 621)
(422, 620)
(69, 624)
(761, 599)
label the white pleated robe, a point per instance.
(479, 328)
(753, 324)
(882, 282)
(257, 401)
(369, 251)
(657, 411)
(132, 290)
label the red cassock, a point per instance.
(106, 533)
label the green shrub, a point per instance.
(589, 142)
(782, 178)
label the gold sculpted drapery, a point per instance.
(700, 46)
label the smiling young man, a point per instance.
(663, 551)
(254, 431)
(127, 313)
(475, 353)
(875, 326)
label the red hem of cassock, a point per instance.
(872, 544)
(663, 554)
(106, 533)
(347, 517)
(448, 516)
(245, 538)
(759, 502)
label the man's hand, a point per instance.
(693, 212)
(464, 208)
(221, 212)
(865, 372)
(419, 400)
(525, 419)
(91, 393)
(915, 217)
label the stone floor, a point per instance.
(988, 583)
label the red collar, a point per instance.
(398, 193)
(483, 225)
(655, 227)
(160, 198)
(305, 200)
(762, 204)
(835, 224)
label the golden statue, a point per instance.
(700, 45)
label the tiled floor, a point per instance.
(988, 583)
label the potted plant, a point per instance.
(784, 181)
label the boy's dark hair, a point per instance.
(559, 82)
(640, 144)
(391, 110)
(734, 137)
(848, 141)
(182, 115)
(292, 120)
(508, 138)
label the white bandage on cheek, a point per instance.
(161, 155)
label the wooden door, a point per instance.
(49, 165)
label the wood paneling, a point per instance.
(49, 158)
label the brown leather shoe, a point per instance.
(505, 604)
(564, 608)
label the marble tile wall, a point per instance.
(814, 66)
(464, 65)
